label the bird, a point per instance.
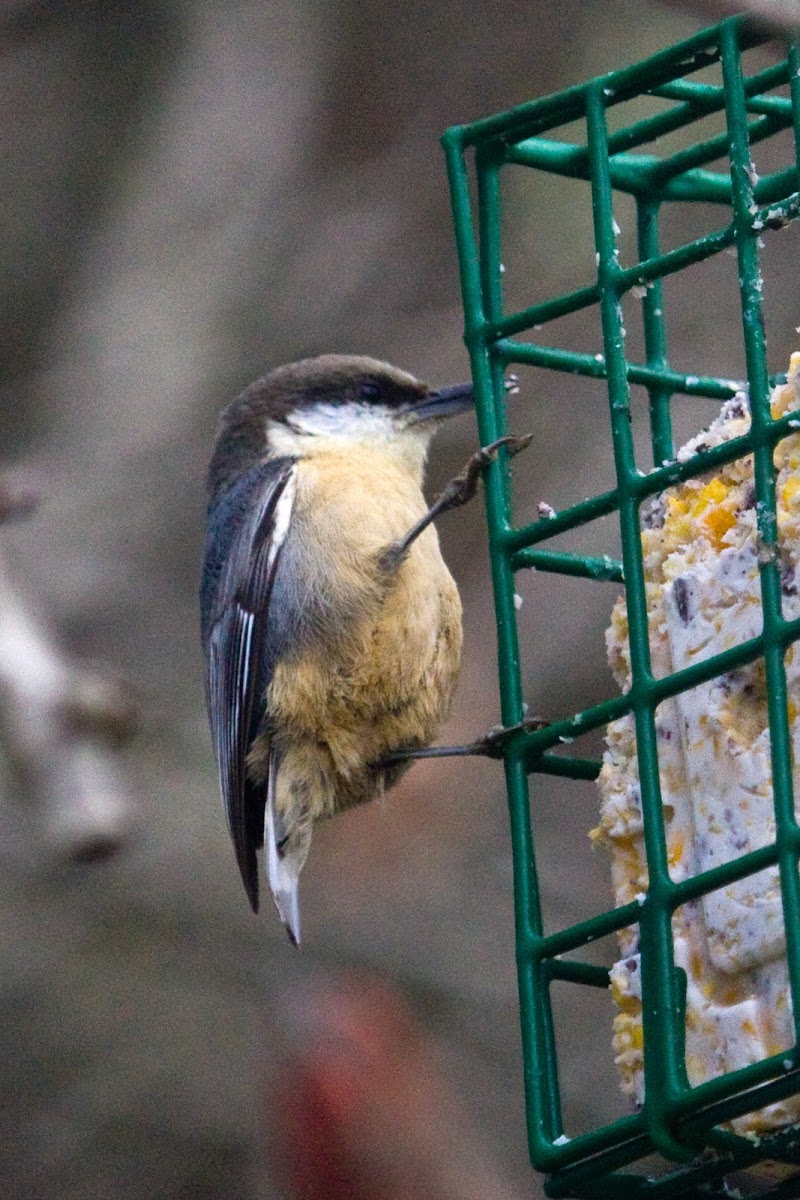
(330, 624)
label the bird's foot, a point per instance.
(491, 745)
(460, 490)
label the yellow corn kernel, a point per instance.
(676, 851)
(677, 506)
(718, 521)
(706, 506)
(790, 489)
(714, 492)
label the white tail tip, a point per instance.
(288, 907)
(283, 871)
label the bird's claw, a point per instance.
(463, 487)
(494, 743)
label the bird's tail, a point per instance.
(283, 867)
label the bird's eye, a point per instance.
(368, 390)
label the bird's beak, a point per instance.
(445, 403)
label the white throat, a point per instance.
(336, 428)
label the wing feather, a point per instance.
(246, 531)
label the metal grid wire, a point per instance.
(679, 1122)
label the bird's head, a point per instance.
(329, 401)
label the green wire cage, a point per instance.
(607, 158)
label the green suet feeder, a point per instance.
(677, 1122)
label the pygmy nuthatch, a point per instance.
(330, 623)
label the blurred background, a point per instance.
(195, 192)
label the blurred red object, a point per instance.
(365, 1109)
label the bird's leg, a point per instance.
(458, 491)
(492, 745)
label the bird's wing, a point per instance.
(246, 531)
